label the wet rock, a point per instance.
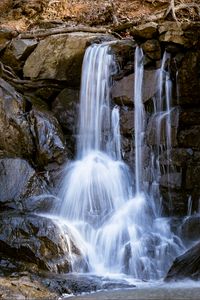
(171, 180)
(49, 140)
(124, 54)
(36, 240)
(157, 130)
(179, 157)
(187, 80)
(17, 52)
(174, 201)
(127, 122)
(145, 31)
(65, 109)
(192, 176)
(59, 57)
(123, 90)
(186, 266)
(152, 49)
(15, 135)
(18, 180)
(187, 118)
(189, 138)
(190, 229)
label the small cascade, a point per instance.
(164, 118)
(138, 118)
(118, 230)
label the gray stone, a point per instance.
(171, 180)
(15, 135)
(37, 240)
(123, 90)
(190, 229)
(18, 182)
(65, 109)
(49, 140)
(186, 265)
(17, 52)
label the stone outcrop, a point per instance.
(37, 241)
(59, 57)
(186, 266)
(15, 136)
(182, 45)
(19, 181)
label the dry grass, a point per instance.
(24, 14)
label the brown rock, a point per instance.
(59, 57)
(123, 90)
(187, 80)
(152, 49)
(17, 51)
(145, 31)
(6, 36)
(190, 138)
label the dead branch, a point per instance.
(45, 33)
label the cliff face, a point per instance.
(39, 99)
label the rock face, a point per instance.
(15, 136)
(186, 266)
(36, 240)
(59, 57)
(182, 160)
(18, 182)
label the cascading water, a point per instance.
(115, 231)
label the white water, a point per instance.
(117, 230)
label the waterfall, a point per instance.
(138, 118)
(115, 231)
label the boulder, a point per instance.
(171, 180)
(6, 36)
(65, 109)
(48, 137)
(185, 35)
(18, 180)
(123, 90)
(15, 135)
(37, 240)
(190, 229)
(17, 52)
(23, 287)
(127, 122)
(152, 49)
(145, 31)
(59, 57)
(186, 266)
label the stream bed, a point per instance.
(160, 291)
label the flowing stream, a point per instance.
(114, 222)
